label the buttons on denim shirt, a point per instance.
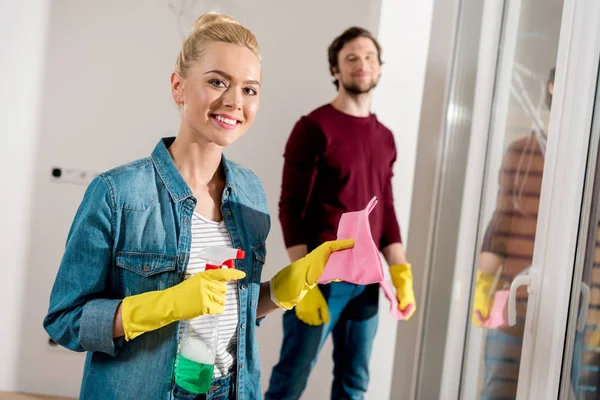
(186, 221)
(182, 257)
(146, 268)
(228, 212)
(242, 366)
(243, 326)
(225, 195)
(243, 287)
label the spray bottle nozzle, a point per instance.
(219, 257)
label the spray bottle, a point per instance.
(196, 356)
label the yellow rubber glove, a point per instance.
(203, 293)
(313, 310)
(483, 301)
(402, 279)
(290, 285)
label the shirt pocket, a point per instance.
(259, 253)
(144, 272)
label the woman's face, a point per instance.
(219, 97)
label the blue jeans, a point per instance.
(502, 361)
(352, 322)
(220, 389)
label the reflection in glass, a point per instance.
(507, 251)
(509, 228)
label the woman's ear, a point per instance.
(177, 88)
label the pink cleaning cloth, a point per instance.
(360, 265)
(497, 317)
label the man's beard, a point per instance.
(357, 90)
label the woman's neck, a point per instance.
(198, 162)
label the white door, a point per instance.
(523, 198)
(561, 343)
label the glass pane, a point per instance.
(508, 218)
(581, 367)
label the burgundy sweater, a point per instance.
(335, 163)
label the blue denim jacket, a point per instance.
(132, 234)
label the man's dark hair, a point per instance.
(347, 36)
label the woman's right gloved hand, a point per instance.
(483, 300)
(203, 293)
(290, 285)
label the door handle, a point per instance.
(520, 280)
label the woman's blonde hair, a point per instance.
(211, 28)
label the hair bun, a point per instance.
(210, 28)
(212, 18)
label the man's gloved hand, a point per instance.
(313, 310)
(290, 285)
(203, 293)
(482, 302)
(403, 281)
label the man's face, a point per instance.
(358, 66)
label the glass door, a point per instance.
(565, 219)
(508, 214)
(521, 241)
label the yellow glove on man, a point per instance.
(290, 285)
(403, 281)
(482, 302)
(313, 310)
(203, 293)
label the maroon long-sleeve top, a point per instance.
(334, 163)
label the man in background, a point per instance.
(337, 158)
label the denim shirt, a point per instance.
(132, 234)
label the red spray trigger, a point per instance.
(219, 257)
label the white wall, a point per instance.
(22, 30)
(404, 30)
(106, 101)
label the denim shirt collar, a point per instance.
(168, 172)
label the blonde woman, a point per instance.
(133, 283)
